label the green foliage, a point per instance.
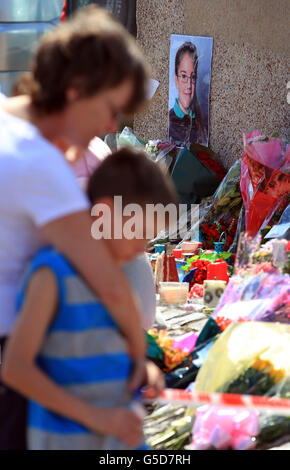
(212, 257)
(251, 382)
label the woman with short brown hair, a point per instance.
(85, 73)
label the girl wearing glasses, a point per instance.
(186, 122)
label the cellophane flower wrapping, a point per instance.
(252, 256)
(279, 225)
(249, 358)
(209, 159)
(221, 213)
(265, 178)
(263, 297)
(127, 138)
(259, 345)
(260, 288)
(223, 428)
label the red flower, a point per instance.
(265, 267)
(223, 322)
(196, 291)
(210, 163)
(201, 272)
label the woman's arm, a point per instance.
(19, 370)
(71, 235)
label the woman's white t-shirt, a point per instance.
(37, 186)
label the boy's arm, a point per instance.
(71, 235)
(19, 370)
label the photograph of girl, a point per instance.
(189, 85)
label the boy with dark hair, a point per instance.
(66, 353)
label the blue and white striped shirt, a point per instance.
(85, 353)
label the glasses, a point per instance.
(184, 78)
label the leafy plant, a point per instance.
(211, 257)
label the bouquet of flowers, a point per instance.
(227, 197)
(199, 263)
(253, 257)
(264, 347)
(127, 138)
(265, 178)
(249, 359)
(201, 272)
(161, 152)
(168, 427)
(211, 233)
(223, 211)
(172, 356)
(216, 167)
(206, 256)
(278, 214)
(152, 149)
(262, 297)
(196, 291)
(209, 159)
(260, 289)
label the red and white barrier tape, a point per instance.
(274, 405)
